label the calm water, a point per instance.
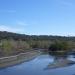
(41, 65)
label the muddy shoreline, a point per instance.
(17, 59)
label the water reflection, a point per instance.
(43, 65)
(60, 60)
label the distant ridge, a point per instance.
(17, 36)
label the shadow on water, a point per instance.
(60, 60)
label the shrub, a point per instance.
(59, 46)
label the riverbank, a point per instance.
(17, 59)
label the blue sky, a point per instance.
(38, 17)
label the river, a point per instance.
(44, 64)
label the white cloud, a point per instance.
(11, 29)
(17, 27)
(20, 23)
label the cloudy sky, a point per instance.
(38, 17)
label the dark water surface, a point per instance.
(43, 65)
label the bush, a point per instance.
(59, 46)
(10, 47)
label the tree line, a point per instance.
(14, 43)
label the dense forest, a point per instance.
(14, 43)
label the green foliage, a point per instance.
(59, 46)
(6, 47)
(39, 44)
(9, 47)
(22, 45)
(12, 43)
